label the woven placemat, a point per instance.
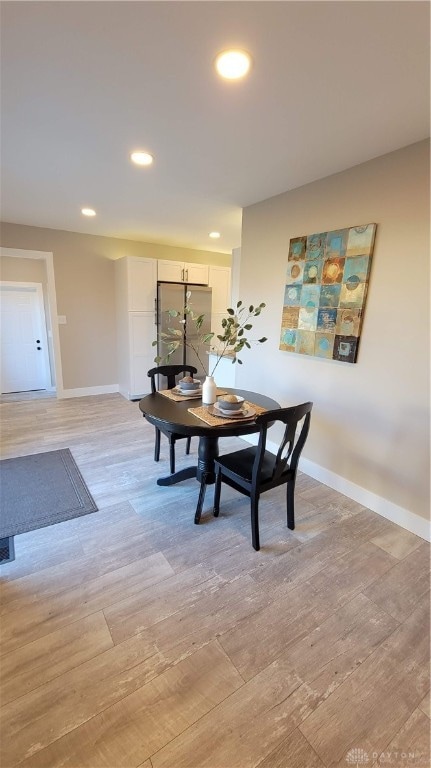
(173, 395)
(217, 421)
(177, 398)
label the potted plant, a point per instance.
(234, 339)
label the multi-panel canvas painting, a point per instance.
(326, 288)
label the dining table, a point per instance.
(189, 417)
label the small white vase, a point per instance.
(209, 391)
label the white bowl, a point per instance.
(190, 385)
(225, 405)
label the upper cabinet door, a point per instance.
(196, 273)
(182, 272)
(142, 284)
(220, 282)
(170, 271)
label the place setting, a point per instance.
(187, 388)
(227, 408)
(232, 407)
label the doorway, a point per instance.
(24, 354)
(50, 342)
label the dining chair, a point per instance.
(253, 471)
(171, 373)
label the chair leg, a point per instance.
(254, 500)
(217, 492)
(291, 505)
(157, 445)
(172, 455)
(188, 441)
(201, 498)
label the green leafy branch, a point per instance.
(235, 325)
(172, 345)
(233, 339)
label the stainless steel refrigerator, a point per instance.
(173, 296)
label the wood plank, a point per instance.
(19, 628)
(398, 590)
(245, 728)
(66, 702)
(411, 745)
(293, 752)
(127, 733)
(138, 612)
(61, 578)
(425, 705)
(31, 555)
(208, 618)
(307, 559)
(398, 542)
(293, 613)
(370, 707)
(186, 548)
(49, 657)
(336, 648)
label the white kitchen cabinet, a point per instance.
(137, 280)
(196, 273)
(136, 288)
(219, 279)
(182, 272)
(142, 332)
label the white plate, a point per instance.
(188, 392)
(244, 413)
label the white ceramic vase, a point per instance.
(209, 391)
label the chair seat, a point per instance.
(241, 463)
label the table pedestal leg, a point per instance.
(177, 477)
(204, 472)
(207, 452)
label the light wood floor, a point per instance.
(132, 637)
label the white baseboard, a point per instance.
(402, 517)
(130, 395)
(105, 389)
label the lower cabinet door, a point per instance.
(142, 353)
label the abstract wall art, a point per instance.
(326, 288)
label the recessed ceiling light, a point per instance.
(233, 64)
(141, 158)
(214, 235)
(88, 211)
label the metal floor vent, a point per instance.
(7, 550)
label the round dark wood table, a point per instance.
(175, 416)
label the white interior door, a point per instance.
(24, 355)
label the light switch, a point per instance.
(61, 319)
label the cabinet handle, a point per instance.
(187, 275)
(155, 312)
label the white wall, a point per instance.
(370, 422)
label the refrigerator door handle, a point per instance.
(156, 314)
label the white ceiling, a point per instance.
(333, 84)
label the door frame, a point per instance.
(48, 257)
(37, 289)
